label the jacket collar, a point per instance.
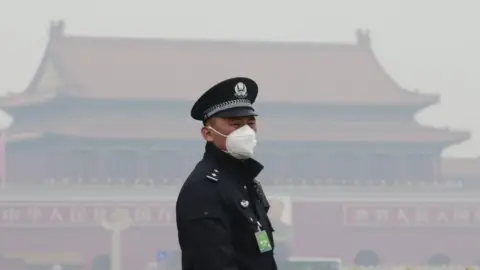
(249, 169)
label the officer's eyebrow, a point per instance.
(209, 122)
(240, 118)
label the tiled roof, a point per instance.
(173, 69)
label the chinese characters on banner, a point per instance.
(83, 214)
(378, 215)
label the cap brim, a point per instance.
(236, 112)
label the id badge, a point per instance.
(263, 241)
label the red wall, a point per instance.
(320, 231)
(140, 245)
(40, 227)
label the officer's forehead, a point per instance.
(215, 120)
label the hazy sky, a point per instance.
(430, 45)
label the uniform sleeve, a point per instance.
(204, 228)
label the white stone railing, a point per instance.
(284, 182)
(74, 181)
(275, 181)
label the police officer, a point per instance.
(221, 209)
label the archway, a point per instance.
(439, 260)
(367, 258)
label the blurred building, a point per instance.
(104, 124)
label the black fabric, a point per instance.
(225, 96)
(216, 230)
(236, 112)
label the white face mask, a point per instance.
(241, 142)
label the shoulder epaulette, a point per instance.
(213, 176)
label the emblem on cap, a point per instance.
(244, 203)
(240, 90)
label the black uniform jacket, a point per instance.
(217, 213)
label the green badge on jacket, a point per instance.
(263, 241)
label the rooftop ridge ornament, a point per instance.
(57, 29)
(363, 37)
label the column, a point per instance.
(182, 166)
(58, 162)
(23, 168)
(384, 168)
(122, 165)
(83, 166)
(410, 168)
(142, 171)
(397, 169)
(274, 170)
(295, 167)
(303, 169)
(421, 167)
(363, 160)
(337, 168)
(137, 168)
(319, 167)
(349, 162)
(280, 159)
(437, 169)
(165, 165)
(64, 166)
(330, 173)
(181, 157)
(39, 170)
(102, 166)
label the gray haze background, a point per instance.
(429, 45)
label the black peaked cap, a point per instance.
(230, 98)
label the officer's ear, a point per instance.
(207, 132)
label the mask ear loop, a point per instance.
(210, 128)
(214, 130)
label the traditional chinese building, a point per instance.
(115, 110)
(108, 112)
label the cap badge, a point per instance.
(240, 90)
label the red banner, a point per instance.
(378, 215)
(84, 214)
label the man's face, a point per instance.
(225, 126)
